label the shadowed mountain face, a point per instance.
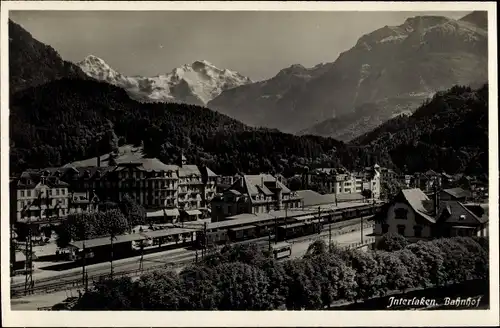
(33, 63)
(407, 62)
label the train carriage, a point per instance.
(242, 233)
(298, 229)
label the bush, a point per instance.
(91, 225)
(391, 242)
(242, 287)
(432, 259)
(245, 278)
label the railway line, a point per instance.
(173, 260)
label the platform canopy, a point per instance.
(193, 212)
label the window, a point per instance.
(22, 193)
(401, 214)
(385, 228)
(57, 192)
(418, 231)
(29, 193)
(401, 229)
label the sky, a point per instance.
(257, 44)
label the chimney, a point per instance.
(98, 160)
(261, 181)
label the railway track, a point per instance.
(177, 260)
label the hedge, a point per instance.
(246, 278)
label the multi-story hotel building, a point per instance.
(148, 181)
(38, 197)
(253, 194)
(339, 181)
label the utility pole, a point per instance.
(276, 230)
(83, 264)
(28, 283)
(205, 240)
(361, 229)
(111, 259)
(286, 217)
(141, 261)
(330, 235)
(319, 220)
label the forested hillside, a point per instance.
(32, 63)
(62, 121)
(448, 132)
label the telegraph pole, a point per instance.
(286, 217)
(83, 264)
(319, 220)
(111, 259)
(361, 229)
(276, 230)
(28, 283)
(141, 261)
(205, 240)
(330, 236)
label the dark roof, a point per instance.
(431, 173)
(454, 212)
(30, 179)
(457, 192)
(107, 241)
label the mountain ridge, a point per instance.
(33, 63)
(195, 83)
(423, 55)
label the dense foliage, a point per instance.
(448, 132)
(247, 278)
(70, 120)
(392, 242)
(91, 225)
(134, 212)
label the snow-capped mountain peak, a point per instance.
(196, 83)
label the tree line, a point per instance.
(67, 120)
(111, 220)
(245, 277)
(448, 132)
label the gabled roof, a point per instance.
(342, 197)
(260, 184)
(419, 202)
(211, 173)
(457, 192)
(454, 212)
(311, 198)
(431, 173)
(189, 170)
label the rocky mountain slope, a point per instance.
(421, 56)
(33, 63)
(196, 83)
